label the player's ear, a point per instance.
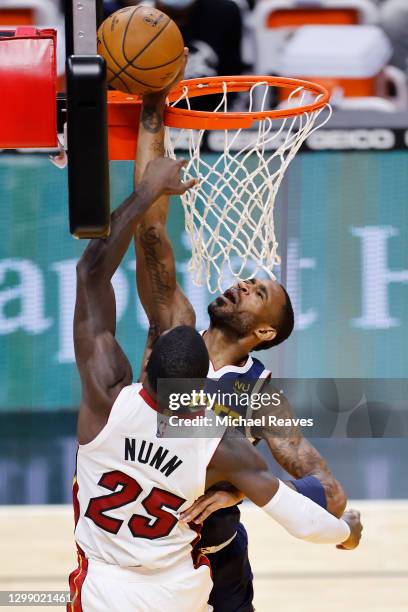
(265, 333)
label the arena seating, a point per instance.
(277, 31)
(273, 20)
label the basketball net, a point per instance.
(229, 214)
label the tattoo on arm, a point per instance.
(160, 278)
(152, 119)
(157, 148)
(296, 456)
(299, 458)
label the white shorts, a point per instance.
(103, 587)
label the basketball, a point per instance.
(142, 47)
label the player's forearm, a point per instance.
(150, 145)
(300, 458)
(156, 268)
(150, 142)
(304, 519)
(155, 271)
(102, 257)
(299, 515)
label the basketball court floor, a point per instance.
(37, 552)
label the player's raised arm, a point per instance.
(103, 367)
(237, 461)
(162, 298)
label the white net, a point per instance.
(229, 215)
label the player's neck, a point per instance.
(224, 350)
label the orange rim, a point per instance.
(202, 120)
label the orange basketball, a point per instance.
(142, 47)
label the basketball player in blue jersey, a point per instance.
(250, 316)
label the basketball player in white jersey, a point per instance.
(134, 554)
(250, 316)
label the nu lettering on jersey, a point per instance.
(236, 384)
(249, 378)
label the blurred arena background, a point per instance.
(343, 229)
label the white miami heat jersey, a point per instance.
(131, 485)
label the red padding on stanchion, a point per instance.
(28, 116)
(123, 124)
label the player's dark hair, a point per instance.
(179, 353)
(284, 328)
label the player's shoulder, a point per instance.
(257, 364)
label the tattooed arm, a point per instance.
(291, 450)
(162, 298)
(297, 455)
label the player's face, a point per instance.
(247, 305)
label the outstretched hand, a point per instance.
(162, 177)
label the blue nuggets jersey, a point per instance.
(232, 381)
(249, 378)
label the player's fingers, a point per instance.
(184, 63)
(191, 512)
(340, 547)
(189, 184)
(184, 187)
(199, 506)
(206, 513)
(181, 163)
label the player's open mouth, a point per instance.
(231, 295)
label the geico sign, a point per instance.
(351, 139)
